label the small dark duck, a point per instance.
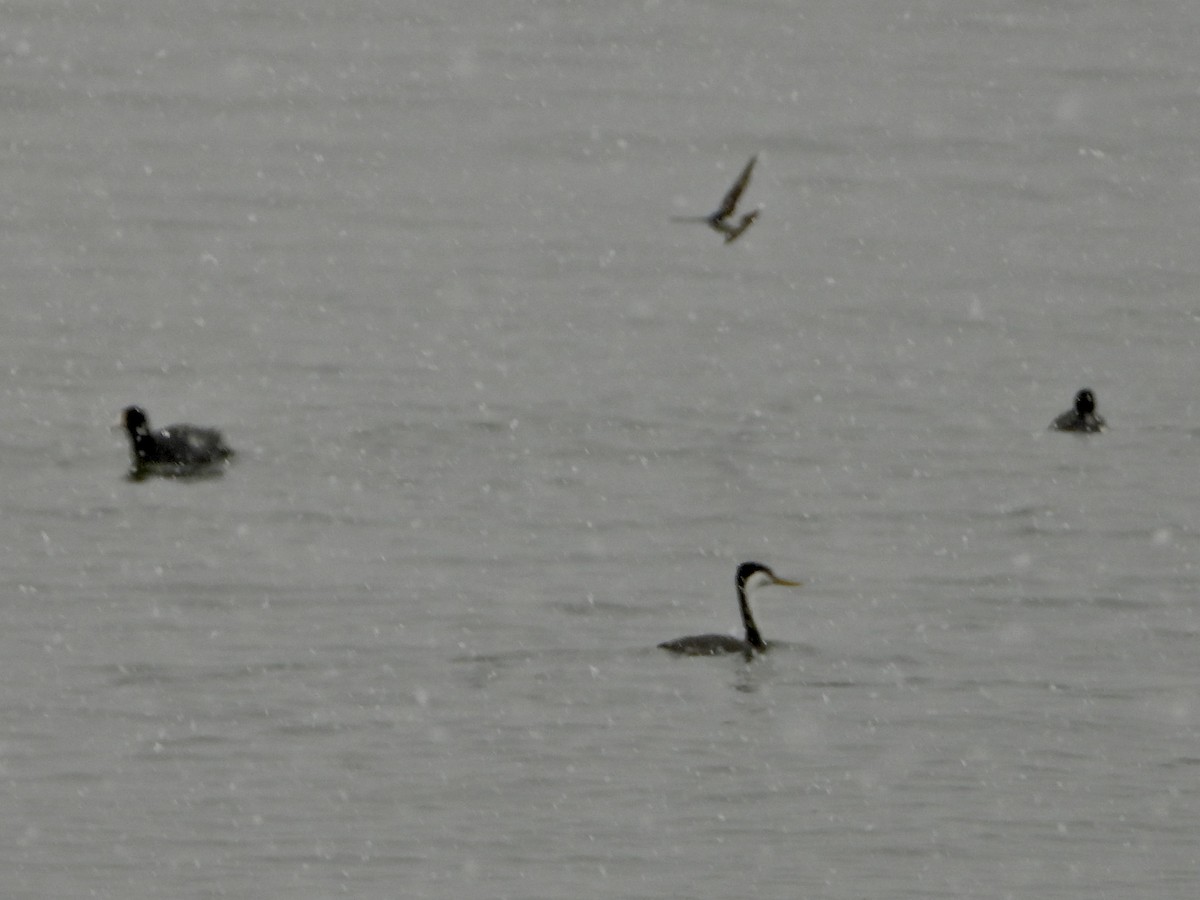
(1082, 418)
(719, 219)
(177, 450)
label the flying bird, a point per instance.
(720, 218)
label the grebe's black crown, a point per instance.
(1085, 402)
(746, 569)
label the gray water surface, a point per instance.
(502, 427)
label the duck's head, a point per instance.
(135, 421)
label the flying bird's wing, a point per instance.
(734, 232)
(729, 204)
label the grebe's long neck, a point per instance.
(753, 638)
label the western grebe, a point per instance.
(1083, 417)
(718, 220)
(174, 450)
(750, 576)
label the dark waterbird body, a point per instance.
(719, 219)
(750, 576)
(1083, 417)
(175, 450)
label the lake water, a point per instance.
(502, 427)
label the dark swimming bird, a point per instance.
(174, 450)
(1082, 418)
(719, 218)
(750, 576)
